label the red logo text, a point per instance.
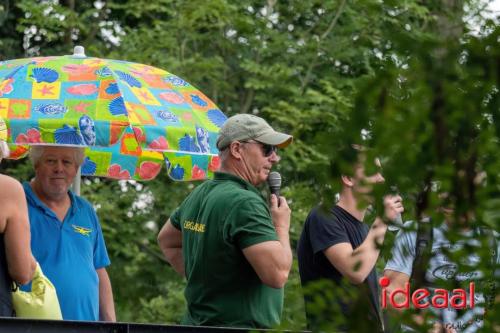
(439, 298)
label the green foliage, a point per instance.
(403, 77)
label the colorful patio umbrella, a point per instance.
(130, 116)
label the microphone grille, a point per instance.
(274, 179)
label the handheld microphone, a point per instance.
(274, 182)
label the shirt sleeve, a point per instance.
(325, 230)
(174, 219)
(249, 223)
(101, 258)
(403, 252)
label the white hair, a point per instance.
(36, 153)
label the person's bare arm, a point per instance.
(272, 260)
(356, 264)
(170, 241)
(106, 303)
(14, 213)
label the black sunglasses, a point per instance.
(266, 149)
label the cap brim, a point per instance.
(278, 139)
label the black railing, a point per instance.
(17, 325)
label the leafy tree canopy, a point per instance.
(405, 78)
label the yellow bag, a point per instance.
(41, 302)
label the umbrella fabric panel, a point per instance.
(103, 162)
(58, 100)
(186, 167)
(90, 102)
(111, 163)
(131, 117)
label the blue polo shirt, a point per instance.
(69, 253)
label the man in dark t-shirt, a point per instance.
(337, 253)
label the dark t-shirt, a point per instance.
(323, 298)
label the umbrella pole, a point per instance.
(77, 182)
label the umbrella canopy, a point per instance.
(130, 117)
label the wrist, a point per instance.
(282, 230)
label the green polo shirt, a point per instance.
(218, 219)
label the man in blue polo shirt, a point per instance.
(66, 237)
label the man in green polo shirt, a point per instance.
(234, 249)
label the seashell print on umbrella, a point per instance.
(42, 74)
(128, 115)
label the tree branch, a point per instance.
(152, 252)
(313, 63)
(68, 40)
(334, 21)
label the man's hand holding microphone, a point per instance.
(280, 212)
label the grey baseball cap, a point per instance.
(243, 127)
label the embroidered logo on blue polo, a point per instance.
(81, 230)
